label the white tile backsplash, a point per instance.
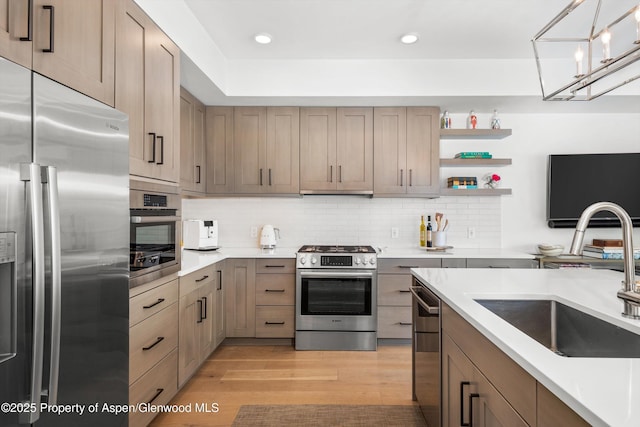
(349, 219)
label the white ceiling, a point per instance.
(307, 34)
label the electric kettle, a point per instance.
(268, 236)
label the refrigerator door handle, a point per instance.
(30, 172)
(50, 178)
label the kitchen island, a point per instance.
(603, 391)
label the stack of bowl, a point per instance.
(547, 249)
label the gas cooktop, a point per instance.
(337, 249)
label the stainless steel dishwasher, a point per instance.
(426, 352)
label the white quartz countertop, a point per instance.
(194, 260)
(417, 252)
(604, 391)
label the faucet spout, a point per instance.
(630, 294)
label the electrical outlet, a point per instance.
(394, 232)
(254, 231)
(471, 232)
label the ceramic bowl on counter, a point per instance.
(548, 249)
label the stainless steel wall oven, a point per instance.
(154, 232)
(336, 298)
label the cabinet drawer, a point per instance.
(275, 289)
(275, 265)
(193, 281)
(275, 322)
(156, 387)
(402, 265)
(393, 289)
(501, 263)
(394, 322)
(151, 340)
(149, 303)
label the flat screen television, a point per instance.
(575, 181)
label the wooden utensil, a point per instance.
(439, 220)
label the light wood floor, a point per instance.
(243, 375)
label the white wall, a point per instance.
(516, 221)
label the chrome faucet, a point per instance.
(629, 293)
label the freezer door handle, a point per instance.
(50, 178)
(30, 172)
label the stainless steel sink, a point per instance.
(565, 330)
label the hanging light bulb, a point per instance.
(606, 45)
(579, 55)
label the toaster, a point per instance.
(200, 234)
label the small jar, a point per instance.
(495, 120)
(472, 120)
(445, 121)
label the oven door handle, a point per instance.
(336, 274)
(427, 307)
(152, 219)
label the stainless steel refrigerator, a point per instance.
(64, 237)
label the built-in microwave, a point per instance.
(154, 232)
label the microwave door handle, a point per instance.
(427, 307)
(50, 177)
(152, 219)
(31, 174)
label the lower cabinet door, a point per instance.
(488, 408)
(394, 322)
(156, 387)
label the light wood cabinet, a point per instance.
(266, 150)
(275, 298)
(219, 150)
(336, 150)
(197, 320)
(406, 151)
(240, 297)
(153, 345)
(394, 297)
(483, 386)
(148, 90)
(219, 309)
(192, 144)
(70, 42)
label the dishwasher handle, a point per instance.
(431, 309)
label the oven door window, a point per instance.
(152, 244)
(336, 296)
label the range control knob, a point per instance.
(372, 261)
(303, 260)
(313, 260)
(357, 260)
(364, 261)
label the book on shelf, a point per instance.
(463, 187)
(609, 255)
(607, 242)
(462, 180)
(473, 155)
(605, 249)
(566, 265)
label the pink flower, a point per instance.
(495, 177)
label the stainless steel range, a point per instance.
(336, 298)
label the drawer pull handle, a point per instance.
(199, 311)
(274, 323)
(471, 397)
(404, 291)
(462, 384)
(203, 278)
(274, 266)
(158, 341)
(160, 300)
(274, 290)
(405, 323)
(408, 266)
(158, 393)
(204, 305)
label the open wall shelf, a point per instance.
(474, 133)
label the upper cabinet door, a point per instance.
(15, 37)
(423, 150)
(74, 44)
(283, 150)
(318, 171)
(355, 149)
(250, 131)
(219, 149)
(148, 90)
(390, 150)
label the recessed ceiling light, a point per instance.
(263, 38)
(409, 38)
